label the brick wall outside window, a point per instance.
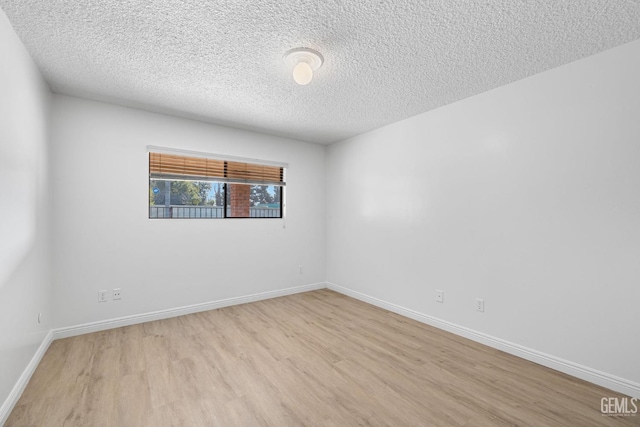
(240, 199)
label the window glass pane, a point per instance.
(254, 201)
(185, 199)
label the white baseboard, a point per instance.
(603, 379)
(19, 387)
(103, 325)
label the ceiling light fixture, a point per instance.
(304, 62)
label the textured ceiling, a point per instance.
(221, 61)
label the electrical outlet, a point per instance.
(102, 296)
(439, 296)
(480, 305)
(299, 269)
(117, 293)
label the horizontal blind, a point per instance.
(175, 167)
(168, 164)
(250, 171)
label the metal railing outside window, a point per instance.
(187, 211)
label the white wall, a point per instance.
(25, 288)
(527, 196)
(99, 160)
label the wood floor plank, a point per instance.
(317, 358)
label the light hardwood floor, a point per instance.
(318, 359)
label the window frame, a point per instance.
(241, 172)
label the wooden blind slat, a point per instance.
(185, 166)
(252, 171)
(182, 166)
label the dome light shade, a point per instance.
(302, 73)
(304, 62)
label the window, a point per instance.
(202, 187)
